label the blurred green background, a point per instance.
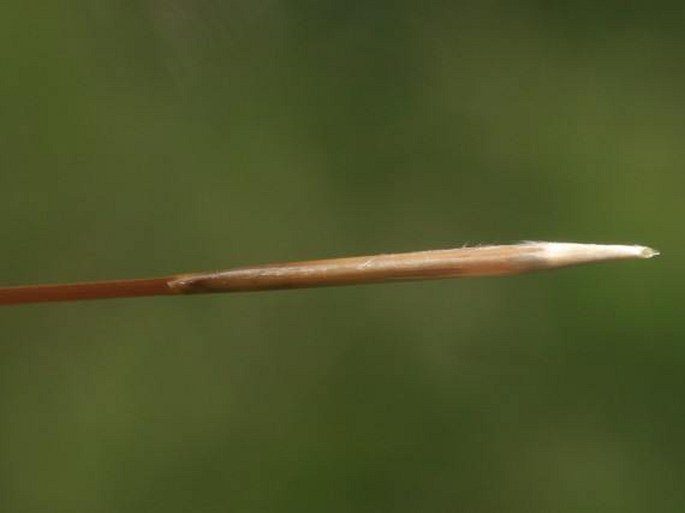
(156, 136)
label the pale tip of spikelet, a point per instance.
(558, 254)
(646, 252)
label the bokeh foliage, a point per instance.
(154, 136)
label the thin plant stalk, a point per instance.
(500, 260)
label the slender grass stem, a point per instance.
(422, 265)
